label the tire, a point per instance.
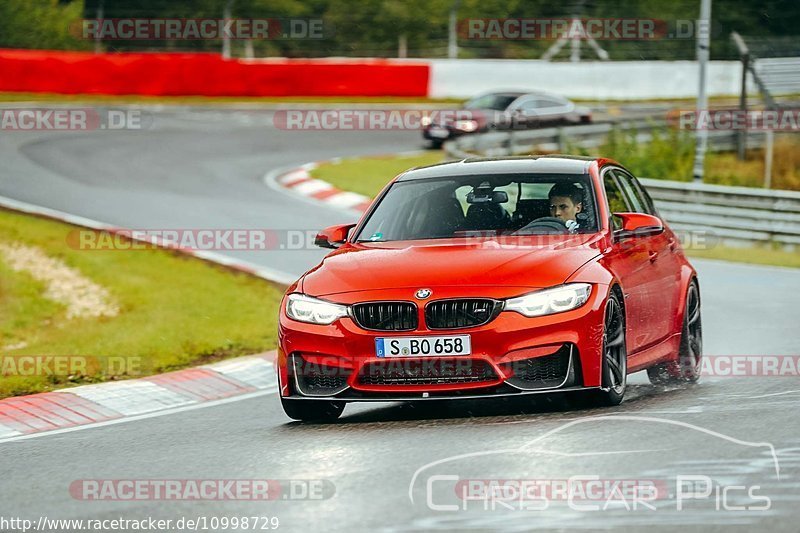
(687, 367)
(312, 410)
(614, 355)
(436, 144)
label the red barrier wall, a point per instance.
(206, 74)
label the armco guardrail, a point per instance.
(500, 143)
(735, 216)
(731, 215)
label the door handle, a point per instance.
(672, 244)
(653, 256)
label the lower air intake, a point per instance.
(546, 372)
(438, 371)
(318, 380)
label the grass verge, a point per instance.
(754, 256)
(368, 175)
(175, 311)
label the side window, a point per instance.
(548, 103)
(649, 206)
(632, 193)
(527, 105)
(616, 202)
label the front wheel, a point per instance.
(615, 356)
(312, 410)
(435, 144)
(686, 369)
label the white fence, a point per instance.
(464, 78)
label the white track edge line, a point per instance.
(266, 273)
(143, 416)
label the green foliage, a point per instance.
(373, 27)
(368, 175)
(668, 155)
(44, 24)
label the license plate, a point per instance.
(439, 133)
(422, 346)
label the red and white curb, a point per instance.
(299, 181)
(23, 417)
(104, 403)
(94, 405)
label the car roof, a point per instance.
(545, 164)
(517, 94)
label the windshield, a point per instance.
(497, 102)
(480, 205)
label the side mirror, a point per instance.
(638, 225)
(333, 236)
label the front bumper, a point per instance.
(439, 133)
(415, 397)
(512, 355)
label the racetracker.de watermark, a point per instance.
(733, 366)
(784, 120)
(258, 240)
(73, 119)
(201, 489)
(254, 240)
(598, 29)
(305, 239)
(371, 119)
(579, 491)
(69, 365)
(179, 29)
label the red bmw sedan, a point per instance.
(492, 277)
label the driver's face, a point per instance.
(563, 207)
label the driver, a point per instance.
(566, 201)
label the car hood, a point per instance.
(497, 262)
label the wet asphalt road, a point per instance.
(203, 169)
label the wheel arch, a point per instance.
(598, 273)
(688, 276)
(616, 288)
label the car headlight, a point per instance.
(307, 309)
(550, 301)
(466, 125)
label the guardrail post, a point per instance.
(226, 40)
(562, 141)
(744, 55)
(768, 159)
(98, 40)
(741, 144)
(703, 43)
